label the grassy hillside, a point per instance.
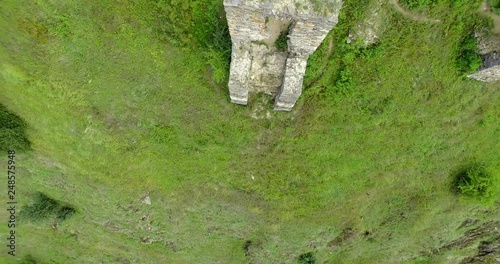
(127, 99)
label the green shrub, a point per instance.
(307, 258)
(246, 247)
(65, 212)
(219, 63)
(210, 26)
(474, 181)
(495, 6)
(12, 131)
(345, 82)
(282, 41)
(45, 207)
(199, 25)
(468, 59)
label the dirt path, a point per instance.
(485, 10)
(411, 15)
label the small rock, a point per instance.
(171, 245)
(146, 200)
(146, 240)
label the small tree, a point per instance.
(474, 181)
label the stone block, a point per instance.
(292, 83)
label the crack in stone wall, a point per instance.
(257, 65)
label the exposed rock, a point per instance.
(146, 240)
(489, 48)
(257, 65)
(292, 85)
(490, 71)
(371, 27)
(146, 200)
(488, 252)
(487, 43)
(472, 235)
(491, 59)
(267, 69)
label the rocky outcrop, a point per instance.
(257, 63)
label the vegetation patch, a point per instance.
(282, 41)
(246, 247)
(12, 131)
(45, 207)
(468, 59)
(366, 159)
(495, 6)
(200, 26)
(323, 7)
(412, 4)
(29, 259)
(307, 258)
(474, 181)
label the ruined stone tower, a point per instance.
(258, 63)
(489, 49)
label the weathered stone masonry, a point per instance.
(489, 49)
(257, 65)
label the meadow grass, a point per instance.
(116, 109)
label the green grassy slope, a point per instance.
(115, 111)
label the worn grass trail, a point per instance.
(411, 15)
(486, 10)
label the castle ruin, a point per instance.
(259, 60)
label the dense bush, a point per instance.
(466, 51)
(45, 207)
(307, 258)
(495, 6)
(12, 131)
(468, 59)
(346, 80)
(474, 181)
(197, 24)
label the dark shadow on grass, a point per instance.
(12, 131)
(46, 207)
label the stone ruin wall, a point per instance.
(256, 63)
(489, 48)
